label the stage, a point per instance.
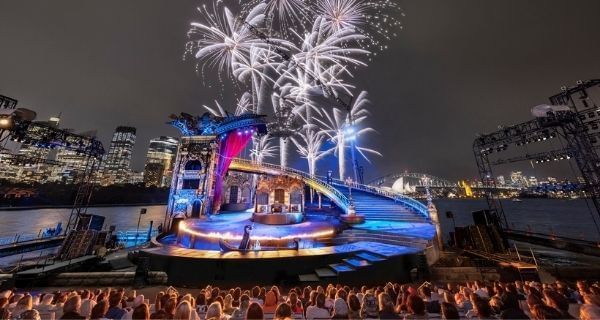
(329, 251)
(205, 233)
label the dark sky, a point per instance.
(457, 68)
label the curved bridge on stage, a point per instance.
(372, 202)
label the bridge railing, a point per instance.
(408, 201)
(316, 181)
(322, 185)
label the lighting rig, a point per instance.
(20, 126)
(573, 116)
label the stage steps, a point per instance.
(360, 260)
(376, 207)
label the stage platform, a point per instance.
(347, 263)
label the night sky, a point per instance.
(457, 68)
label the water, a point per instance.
(32, 221)
(569, 218)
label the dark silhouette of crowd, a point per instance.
(470, 300)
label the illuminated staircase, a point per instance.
(378, 207)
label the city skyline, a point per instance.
(427, 129)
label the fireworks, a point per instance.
(294, 59)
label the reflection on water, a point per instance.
(31, 221)
(568, 218)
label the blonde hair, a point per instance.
(589, 312)
(183, 311)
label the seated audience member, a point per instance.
(318, 311)
(228, 307)
(481, 308)
(141, 312)
(448, 311)
(25, 303)
(270, 302)
(71, 308)
(114, 306)
(99, 310)
(589, 312)
(295, 303)
(431, 305)
(87, 303)
(416, 308)
(557, 301)
(283, 312)
(30, 315)
(255, 295)
(386, 307)
(240, 313)
(369, 308)
(353, 307)
(184, 311)
(254, 312)
(340, 309)
(544, 312)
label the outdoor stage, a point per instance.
(329, 251)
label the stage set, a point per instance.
(232, 220)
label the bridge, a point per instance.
(373, 202)
(418, 179)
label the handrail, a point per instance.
(320, 185)
(339, 198)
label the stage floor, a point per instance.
(230, 227)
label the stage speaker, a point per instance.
(483, 217)
(462, 236)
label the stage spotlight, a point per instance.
(6, 122)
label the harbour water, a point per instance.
(568, 218)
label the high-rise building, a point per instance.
(159, 161)
(116, 165)
(72, 166)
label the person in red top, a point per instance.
(294, 303)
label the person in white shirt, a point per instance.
(87, 303)
(318, 311)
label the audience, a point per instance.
(470, 300)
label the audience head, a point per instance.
(415, 305)
(340, 308)
(449, 311)
(589, 312)
(320, 300)
(543, 312)
(254, 312)
(73, 304)
(184, 311)
(141, 312)
(99, 310)
(283, 311)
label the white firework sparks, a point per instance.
(221, 40)
(283, 15)
(309, 143)
(377, 20)
(343, 130)
(262, 148)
